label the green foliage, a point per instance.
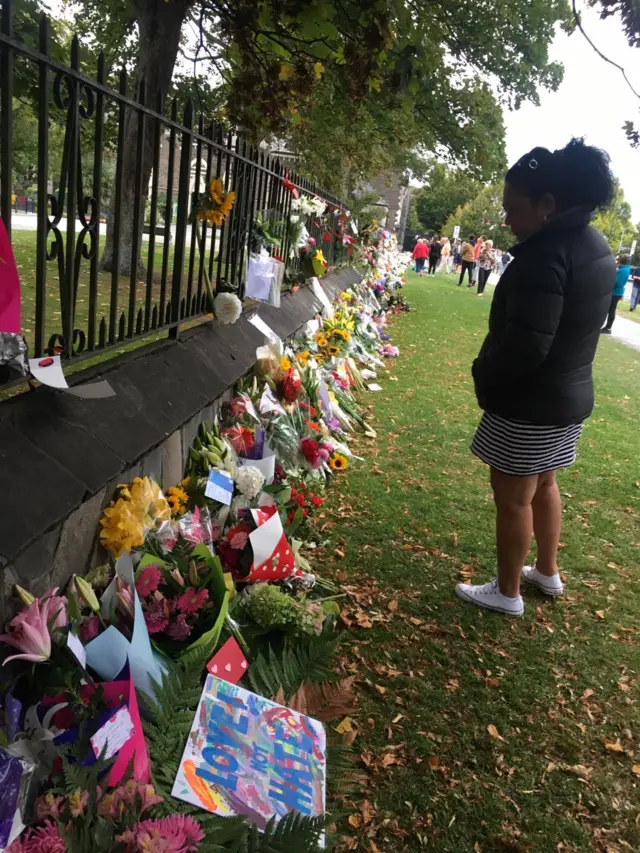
(482, 215)
(615, 221)
(303, 660)
(446, 190)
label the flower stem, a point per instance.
(207, 280)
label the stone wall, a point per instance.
(62, 457)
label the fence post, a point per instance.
(43, 189)
(6, 110)
(184, 197)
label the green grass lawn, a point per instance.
(477, 733)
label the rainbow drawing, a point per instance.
(246, 755)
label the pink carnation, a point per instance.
(239, 540)
(192, 600)
(180, 629)
(148, 581)
(156, 615)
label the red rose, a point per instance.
(291, 385)
(309, 449)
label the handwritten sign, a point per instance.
(219, 487)
(114, 734)
(248, 755)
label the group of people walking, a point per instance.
(437, 252)
(476, 259)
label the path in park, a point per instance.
(627, 332)
(477, 734)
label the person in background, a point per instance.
(505, 260)
(486, 260)
(533, 375)
(435, 252)
(635, 290)
(457, 256)
(445, 256)
(622, 277)
(420, 255)
(466, 259)
(476, 254)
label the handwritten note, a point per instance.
(77, 649)
(219, 487)
(114, 734)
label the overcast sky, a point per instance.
(592, 101)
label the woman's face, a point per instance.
(523, 215)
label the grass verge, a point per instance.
(476, 733)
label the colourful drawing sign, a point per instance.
(246, 755)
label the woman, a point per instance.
(623, 275)
(420, 255)
(486, 260)
(435, 250)
(445, 255)
(466, 259)
(533, 373)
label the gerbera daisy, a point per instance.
(192, 600)
(148, 581)
(338, 462)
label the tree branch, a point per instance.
(578, 22)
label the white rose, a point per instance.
(227, 307)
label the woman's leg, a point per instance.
(612, 312)
(483, 275)
(514, 526)
(547, 521)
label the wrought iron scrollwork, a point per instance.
(78, 100)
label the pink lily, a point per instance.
(30, 634)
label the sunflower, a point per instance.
(215, 217)
(319, 336)
(227, 204)
(303, 357)
(285, 364)
(338, 462)
(177, 499)
(215, 190)
(332, 349)
(322, 342)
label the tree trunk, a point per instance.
(159, 26)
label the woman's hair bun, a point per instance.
(577, 175)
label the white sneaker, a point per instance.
(549, 584)
(489, 596)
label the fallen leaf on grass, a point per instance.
(599, 614)
(415, 621)
(493, 731)
(579, 770)
(393, 605)
(381, 690)
(636, 769)
(434, 762)
(355, 821)
(452, 685)
(345, 726)
(614, 745)
(367, 812)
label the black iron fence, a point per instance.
(105, 246)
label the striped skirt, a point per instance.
(522, 449)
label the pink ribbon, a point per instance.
(9, 286)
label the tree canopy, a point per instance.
(350, 84)
(482, 215)
(445, 191)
